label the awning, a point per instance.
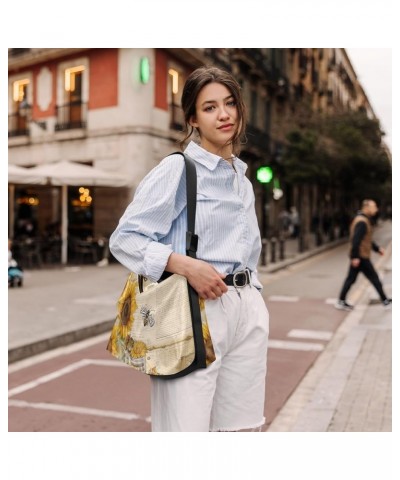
(72, 173)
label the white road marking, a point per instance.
(64, 371)
(310, 334)
(107, 363)
(282, 298)
(278, 344)
(331, 301)
(79, 410)
(48, 378)
(290, 345)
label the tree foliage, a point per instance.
(343, 151)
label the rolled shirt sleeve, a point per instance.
(137, 240)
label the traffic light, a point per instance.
(264, 174)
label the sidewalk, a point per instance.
(349, 387)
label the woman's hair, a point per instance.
(195, 82)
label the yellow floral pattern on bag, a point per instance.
(141, 341)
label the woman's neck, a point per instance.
(224, 151)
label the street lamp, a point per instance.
(25, 110)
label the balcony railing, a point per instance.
(17, 125)
(219, 57)
(177, 118)
(71, 115)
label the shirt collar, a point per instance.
(210, 160)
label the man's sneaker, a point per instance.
(343, 305)
(387, 303)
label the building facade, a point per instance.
(119, 110)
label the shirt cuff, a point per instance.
(156, 259)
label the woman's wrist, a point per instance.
(179, 264)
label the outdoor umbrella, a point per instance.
(24, 176)
(71, 173)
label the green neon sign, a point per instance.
(144, 70)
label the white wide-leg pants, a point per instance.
(229, 394)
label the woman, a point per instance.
(150, 238)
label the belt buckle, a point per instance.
(244, 272)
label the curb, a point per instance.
(25, 351)
(271, 268)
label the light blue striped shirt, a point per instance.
(154, 224)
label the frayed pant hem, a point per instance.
(237, 429)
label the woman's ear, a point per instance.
(192, 121)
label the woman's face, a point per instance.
(216, 118)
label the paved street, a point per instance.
(317, 379)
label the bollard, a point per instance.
(273, 249)
(301, 243)
(318, 237)
(282, 248)
(264, 252)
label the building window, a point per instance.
(73, 81)
(72, 111)
(253, 109)
(267, 117)
(175, 87)
(17, 122)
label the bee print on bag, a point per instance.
(147, 316)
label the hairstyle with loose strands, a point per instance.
(198, 79)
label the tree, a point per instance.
(342, 150)
(343, 156)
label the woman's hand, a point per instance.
(207, 282)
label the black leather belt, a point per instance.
(238, 279)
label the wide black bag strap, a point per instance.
(191, 249)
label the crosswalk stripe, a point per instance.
(310, 334)
(292, 345)
(283, 298)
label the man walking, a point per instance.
(361, 245)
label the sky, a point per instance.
(373, 67)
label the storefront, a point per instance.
(60, 212)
